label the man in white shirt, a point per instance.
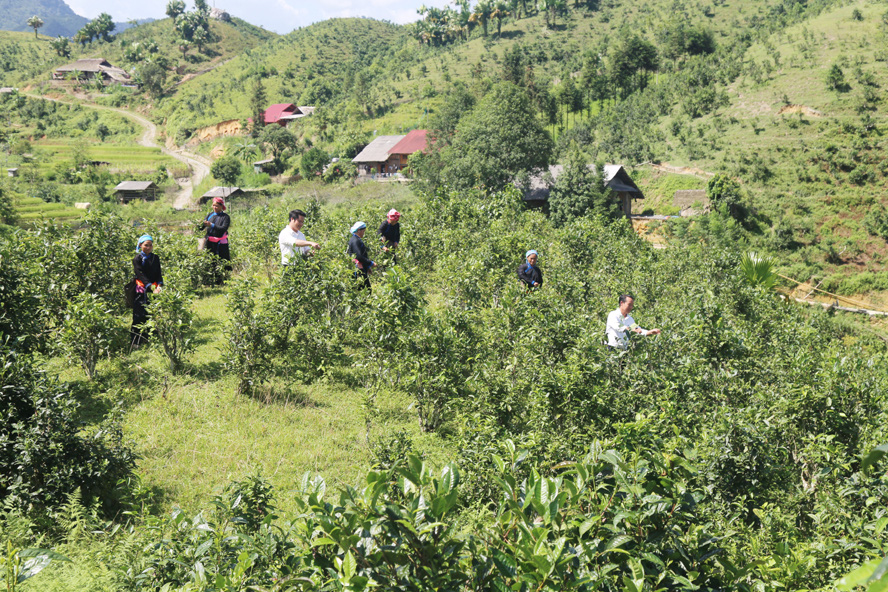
(292, 241)
(619, 321)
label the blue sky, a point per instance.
(280, 16)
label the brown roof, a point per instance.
(90, 65)
(415, 141)
(378, 150)
(615, 178)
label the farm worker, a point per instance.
(148, 278)
(217, 223)
(619, 321)
(390, 231)
(292, 241)
(528, 272)
(358, 250)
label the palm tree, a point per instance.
(482, 13)
(759, 270)
(35, 22)
(500, 11)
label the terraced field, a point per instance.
(34, 209)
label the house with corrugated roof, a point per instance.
(415, 141)
(375, 158)
(223, 192)
(616, 178)
(132, 190)
(92, 69)
(283, 113)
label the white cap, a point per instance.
(357, 226)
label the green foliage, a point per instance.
(876, 221)
(249, 343)
(43, 454)
(759, 270)
(835, 79)
(171, 322)
(153, 77)
(19, 565)
(313, 162)
(723, 192)
(227, 169)
(341, 170)
(8, 214)
(500, 138)
(580, 191)
(87, 332)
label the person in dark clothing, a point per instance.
(148, 278)
(358, 250)
(528, 272)
(390, 232)
(217, 223)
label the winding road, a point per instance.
(200, 166)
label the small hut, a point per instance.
(92, 69)
(263, 166)
(131, 190)
(616, 178)
(375, 158)
(223, 192)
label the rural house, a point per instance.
(375, 158)
(92, 69)
(536, 194)
(413, 142)
(130, 190)
(223, 192)
(283, 113)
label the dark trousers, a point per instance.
(366, 282)
(138, 333)
(223, 264)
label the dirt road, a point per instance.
(200, 166)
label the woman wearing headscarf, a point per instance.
(217, 223)
(148, 279)
(358, 250)
(390, 230)
(528, 272)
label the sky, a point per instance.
(280, 16)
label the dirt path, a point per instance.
(200, 166)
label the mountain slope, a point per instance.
(58, 18)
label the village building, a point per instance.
(92, 69)
(263, 166)
(131, 190)
(623, 188)
(413, 142)
(8, 90)
(223, 192)
(283, 113)
(12, 172)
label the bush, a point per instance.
(44, 456)
(171, 322)
(313, 162)
(88, 331)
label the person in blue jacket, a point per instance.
(528, 272)
(149, 278)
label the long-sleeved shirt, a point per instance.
(389, 233)
(531, 276)
(219, 224)
(616, 328)
(147, 268)
(358, 250)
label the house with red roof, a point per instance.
(283, 113)
(410, 144)
(387, 155)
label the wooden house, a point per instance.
(223, 192)
(623, 188)
(375, 159)
(92, 69)
(131, 190)
(413, 142)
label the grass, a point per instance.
(195, 435)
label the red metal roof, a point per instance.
(273, 113)
(414, 141)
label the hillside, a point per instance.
(58, 18)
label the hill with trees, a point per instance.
(57, 16)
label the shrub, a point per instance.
(171, 322)
(88, 331)
(313, 162)
(249, 342)
(44, 456)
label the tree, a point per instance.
(482, 13)
(630, 63)
(835, 79)
(579, 192)
(175, 8)
(35, 22)
(200, 38)
(313, 162)
(104, 25)
(202, 8)
(501, 137)
(278, 140)
(257, 108)
(227, 169)
(153, 77)
(61, 46)
(500, 11)
(724, 193)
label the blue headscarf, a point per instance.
(527, 256)
(142, 239)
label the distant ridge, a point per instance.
(58, 18)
